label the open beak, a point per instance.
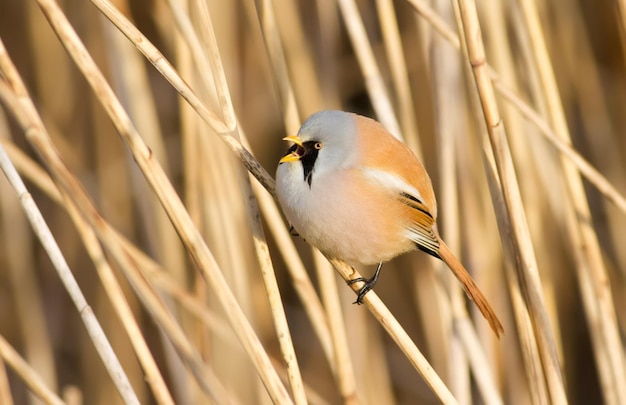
(294, 153)
(293, 138)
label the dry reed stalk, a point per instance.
(165, 68)
(399, 74)
(525, 335)
(162, 279)
(298, 57)
(36, 134)
(172, 204)
(549, 177)
(267, 271)
(32, 379)
(599, 181)
(280, 319)
(591, 174)
(534, 203)
(397, 333)
(267, 19)
(524, 252)
(157, 275)
(373, 371)
(31, 170)
(313, 396)
(164, 282)
(537, 387)
(446, 74)
(300, 278)
(194, 193)
(584, 243)
(329, 35)
(196, 49)
(72, 395)
(224, 222)
(597, 128)
(481, 370)
(145, 292)
(20, 265)
(132, 84)
(432, 303)
(120, 304)
(212, 54)
(378, 95)
(19, 103)
(202, 255)
(5, 389)
(344, 368)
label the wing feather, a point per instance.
(421, 229)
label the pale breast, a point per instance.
(347, 216)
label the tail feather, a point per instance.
(470, 288)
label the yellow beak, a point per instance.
(293, 156)
(293, 138)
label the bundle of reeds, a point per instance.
(143, 258)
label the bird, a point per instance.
(358, 194)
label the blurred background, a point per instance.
(419, 87)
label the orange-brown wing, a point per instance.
(421, 224)
(379, 149)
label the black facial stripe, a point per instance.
(308, 160)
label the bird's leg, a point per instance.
(369, 284)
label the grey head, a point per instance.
(333, 135)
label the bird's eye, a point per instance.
(318, 145)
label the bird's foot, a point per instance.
(369, 284)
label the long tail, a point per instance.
(470, 287)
